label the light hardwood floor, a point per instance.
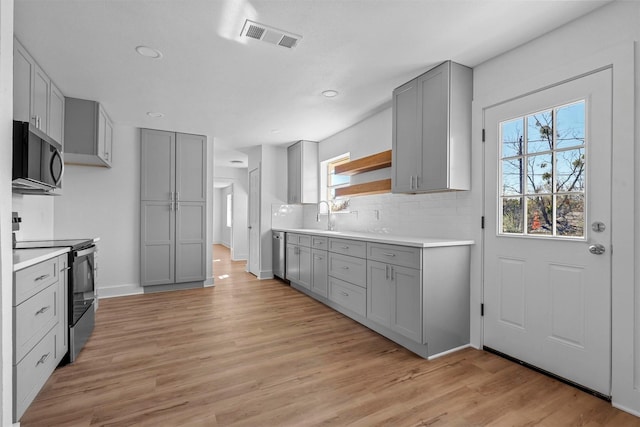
(259, 353)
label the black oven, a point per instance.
(37, 160)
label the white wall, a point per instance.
(217, 216)
(603, 38)
(6, 258)
(105, 203)
(226, 231)
(37, 216)
(273, 190)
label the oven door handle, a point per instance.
(84, 252)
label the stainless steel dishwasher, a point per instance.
(279, 247)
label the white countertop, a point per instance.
(421, 242)
(23, 258)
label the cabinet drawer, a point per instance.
(348, 296)
(318, 242)
(348, 247)
(299, 239)
(33, 319)
(33, 279)
(351, 269)
(405, 256)
(32, 372)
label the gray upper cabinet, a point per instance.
(191, 171)
(302, 172)
(432, 131)
(56, 114)
(173, 207)
(36, 99)
(88, 133)
(158, 168)
(23, 70)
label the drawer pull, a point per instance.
(344, 293)
(345, 267)
(317, 257)
(44, 276)
(388, 254)
(345, 247)
(43, 359)
(43, 309)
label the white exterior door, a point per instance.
(547, 264)
(254, 222)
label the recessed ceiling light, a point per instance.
(275, 130)
(236, 162)
(154, 114)
(330, 93)
(149, 52)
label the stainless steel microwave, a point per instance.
(37, 160)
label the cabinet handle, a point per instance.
(44, 276)
(344, 293)
(42, 310)
(345, 247)
(345, 267)
(170, 195)
(177, 196)
(388, 254)
(43, 359)
(177, 206)
(317, 257)
(386, 272)
(391, 269)
(417, 181)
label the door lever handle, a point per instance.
(597, 249)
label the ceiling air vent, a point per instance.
(269, 34)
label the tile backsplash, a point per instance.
(439, 215)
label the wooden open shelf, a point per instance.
(365, 164)
(374, 187)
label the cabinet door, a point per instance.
(292, 262)
(102, 142)
(433, 89)
(40, 101)
(56, 115)
(294, 176)
(62, 337)
(23, 71)
(157, 178)
(108, 140)
(379, 293)
(190, 241)
(405, 138)
(157, 243)
(319, 272)
(407, 302)
(191, 167)
(305, 267)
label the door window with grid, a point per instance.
(542, 173)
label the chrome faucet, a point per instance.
(329, 224)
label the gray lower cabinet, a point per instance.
(299, 264)
(394, 298)
(415, 296)
(319, 276)
(40, 328)
(172, 207)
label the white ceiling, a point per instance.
(245, 92)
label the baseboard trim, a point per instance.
(265, 274)
(119, 290)
(625, 409)
(173, 287)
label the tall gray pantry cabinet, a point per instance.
(172, 207)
